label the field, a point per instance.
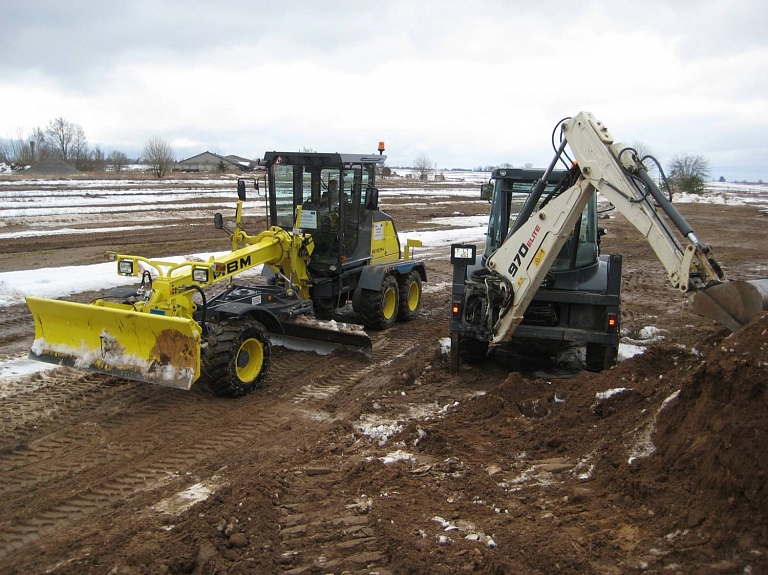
(390, 465)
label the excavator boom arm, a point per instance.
(523, 260)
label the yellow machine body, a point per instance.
(153, 340)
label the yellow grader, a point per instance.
(328, 245)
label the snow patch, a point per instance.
(396, 456)
(603, 395)
(183, 500)
(381, 429)
(468, 529)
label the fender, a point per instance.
(261, 314)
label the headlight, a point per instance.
(200, 275)
(125, 267)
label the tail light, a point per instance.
(456, 309)
(613, 321)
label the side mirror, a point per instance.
(600, 233)
(371, 198)
(218, 221)
(486, 192)
(241, 190)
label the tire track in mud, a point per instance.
(321, 532)
(19, 532)
(15, 323)
(388, 345)
(55, 395)
(87, 445)
(81, 451)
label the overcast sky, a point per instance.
(466, 83)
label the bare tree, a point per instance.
(423, 165)
(644, 154)
(117, 160)
(25, 147)
(159, 156)
(79, 149)
(62, 135)
(688, 173)
(14, 149)
(97, 161)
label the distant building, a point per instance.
(210, 162)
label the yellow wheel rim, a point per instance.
(413, 296)
(389, 303)
(249, 360)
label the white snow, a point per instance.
(643, 445)
(651, 333)
(74, 231)
(627, 350)
(20, 366)
(629, 347)
(437, 238)
(461, 221)
(183, 500)
(600, 396)
(380, 428)
(58, 282)
(396, 456)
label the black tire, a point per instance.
(409, 288)
(472, 350)
(600, 357)
(379, 308)
(236, 359)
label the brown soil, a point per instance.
(495, 470)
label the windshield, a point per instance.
(508, 199)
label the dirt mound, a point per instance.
(713, 436)
(660, 459)
(51, 167)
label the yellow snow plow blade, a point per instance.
(733, 304)
(116, 340)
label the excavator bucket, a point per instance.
(116, 341)
(732, 304)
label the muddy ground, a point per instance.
(342, 464)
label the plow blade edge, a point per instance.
(322, 336)
(116, 341)
(733, 304)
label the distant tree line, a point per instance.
(504, 166)
(67, 141)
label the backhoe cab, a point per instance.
(327, 245)
(579, 298)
